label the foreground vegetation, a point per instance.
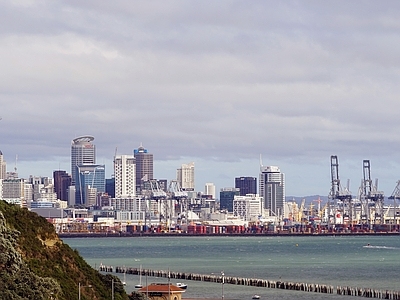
(36, 264)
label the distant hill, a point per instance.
(324, 200)
(36, 264)
(308, 199)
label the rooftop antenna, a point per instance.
(115, 153)
(261, 164)
(15, 167)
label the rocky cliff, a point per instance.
(36, 264)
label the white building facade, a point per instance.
(248, 208)
(185, 176)
(209, 189)
(3, 167)
(125, 176)
(129, 204)
(13, 191)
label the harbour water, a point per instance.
(356, 261)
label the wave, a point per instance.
(381, 247)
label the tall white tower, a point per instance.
(125, 176)
(185, 176)
(3, 167)
(272, 189)
(209, 189)
(83, 151)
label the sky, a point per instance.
(218, 83)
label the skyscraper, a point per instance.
(3, 167)
(185, 176)
(144, 166)
(89, 177)
(125, 176)
(226, 197)
(83, 151)
(247, 185)
(272, 189)
(110, 187)
(62, 180)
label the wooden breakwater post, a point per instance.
(284, 285)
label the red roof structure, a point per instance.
(162, 290)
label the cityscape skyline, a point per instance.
(214, 83)
(109, 172)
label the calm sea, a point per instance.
(335, 261)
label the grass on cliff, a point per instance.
(47, 256)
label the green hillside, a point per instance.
(36, 264)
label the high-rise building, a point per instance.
(71, 196)
(226, 197)
(247, 185)
(185, 176)
(209, 189)
(42, 188)
(110, 187)
(62, 180)
(28, 193)
(83, 151)
(89, 177)
(248, 208)
(3, 167)
(272, 189)
(144, 166)
(125, 176)
(13, 191)
(91, 196)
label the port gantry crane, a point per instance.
(157, 194)
(371, 199)
(179, 197)
(340, 200)
(395, 196)
(162, 203)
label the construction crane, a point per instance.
(301, 210)
(115, 153)
(319, 204)
(338, 195)
(322, 212)
(293, 210)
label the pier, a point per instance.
(284, 285)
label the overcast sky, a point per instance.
(218, 83)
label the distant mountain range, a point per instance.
(324, 199)
(308, 199)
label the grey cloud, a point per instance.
(219, 81)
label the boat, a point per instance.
(256, 297)
(181, 285)
(124, 282)
(139, 286)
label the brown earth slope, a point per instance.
(36, 264)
